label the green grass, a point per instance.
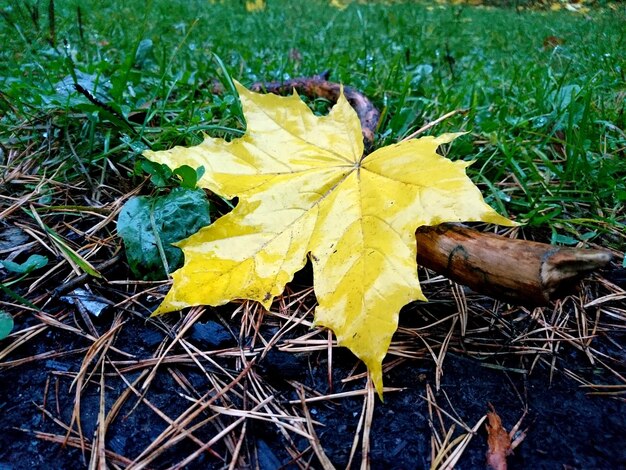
(546, 125)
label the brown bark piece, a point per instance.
(518, 271)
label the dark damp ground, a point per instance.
(567, 428)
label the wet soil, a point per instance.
(567, 427)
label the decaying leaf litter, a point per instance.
(471, 325)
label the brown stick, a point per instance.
(519, 271)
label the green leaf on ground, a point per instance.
(188, 176)
(149, 226)
(6, 324)
(33, 262)
(159, 174)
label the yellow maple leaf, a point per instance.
(340, 4)
(255, 5)
(305, 189)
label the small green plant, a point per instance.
(162, 177)
(6, 324)
(24, 269)
(149, 225)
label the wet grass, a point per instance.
(543, 90)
